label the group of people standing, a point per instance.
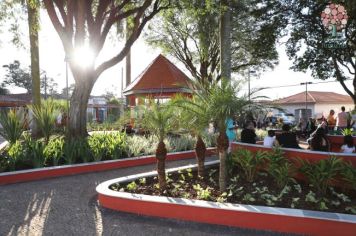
(341, 121)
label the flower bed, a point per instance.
(50, 172)
(114, 194)
(28, 153)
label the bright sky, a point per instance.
(52, 61)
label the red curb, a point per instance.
(252, 220)
(57, 171)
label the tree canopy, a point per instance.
(190, 33)
(21, 77)
(307, 37)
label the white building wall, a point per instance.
(324, 109)
(292, 108)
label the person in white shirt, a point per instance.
(270, 139)
(341, 120)
(348, 146)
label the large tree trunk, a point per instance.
(161, 154)
(33, 25)
(225, 40)
(222, 145)
(79, 104)
(200, 150)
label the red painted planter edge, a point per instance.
(57, 171)
(252, 217)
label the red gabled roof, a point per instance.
(160, 76)
(316, 97)
(15, 100)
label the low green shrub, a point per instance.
(321, 174)
(15, 154)
(108, 146)
(249, 162)
(282, 173)
(54, 151)
(280, 168)
(348, 173)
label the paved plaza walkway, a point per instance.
(68, 206)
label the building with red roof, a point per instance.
(318, 103)
(160, 80)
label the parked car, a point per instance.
(288, 118)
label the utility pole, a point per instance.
(306, 97)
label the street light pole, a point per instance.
(249, 83)
(306, 97)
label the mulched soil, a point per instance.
(263, 191)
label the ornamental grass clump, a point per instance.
(45, 116)
(12, 126)
(322, 173)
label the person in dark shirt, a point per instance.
(248, 134)
(287, 139)
(319, 141)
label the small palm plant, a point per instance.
(195, 118)
(45, 116)
(159, 120)
(12, 126)
(222, 103)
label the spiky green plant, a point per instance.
(45, 116)
(12, 125)
(346, 132)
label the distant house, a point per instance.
(318, 103)
(98, 107)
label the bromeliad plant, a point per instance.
(159, 120)
(12, 125)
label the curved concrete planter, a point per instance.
(244, 216)
(56, 171)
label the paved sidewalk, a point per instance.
(68, 206)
